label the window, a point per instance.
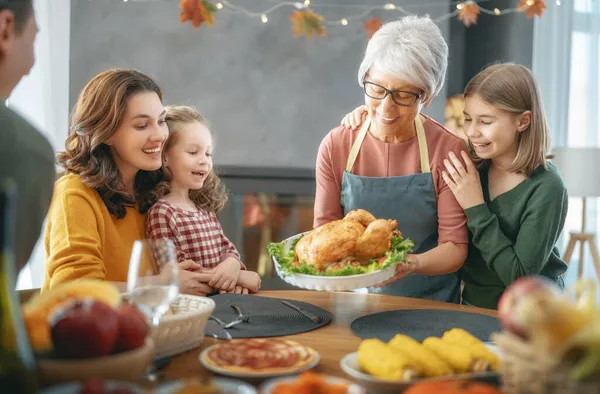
(583, 111)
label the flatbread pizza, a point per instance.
(258, 356)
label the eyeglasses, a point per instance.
(400, 97)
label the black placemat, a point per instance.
(268, 316)
(422, 323)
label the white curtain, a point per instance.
(552, 63)
(43, 98)
(566, 64)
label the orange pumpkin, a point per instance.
(452, 387)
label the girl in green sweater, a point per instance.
(514, 199)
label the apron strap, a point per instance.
(357, 144)
(423, 150)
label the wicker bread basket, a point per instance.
(527, 370)
(182, 329)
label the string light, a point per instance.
(365, 10)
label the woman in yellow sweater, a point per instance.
(110, 160)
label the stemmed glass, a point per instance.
(153, 277)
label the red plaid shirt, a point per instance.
(197, 236)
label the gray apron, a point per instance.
(411, 200)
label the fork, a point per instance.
(240, 319)
(219, 321)
(241, 316)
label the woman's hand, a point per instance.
(194, 283)
(355, 119)
(191, 266)
(403, 269)
(463, 180)
(226, 275)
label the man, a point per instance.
(25, 154)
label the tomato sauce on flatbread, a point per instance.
(259, 355)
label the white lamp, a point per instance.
(577, 166)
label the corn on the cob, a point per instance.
(458, 357)
(476, 347)
(377, 359)
(425, 360)
(461, 336)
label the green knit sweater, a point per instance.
(515, 235)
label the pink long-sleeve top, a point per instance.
(383, 159)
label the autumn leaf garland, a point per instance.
(468, 13)
(532, 7)
(306, 22)
(197, 12)
(372, 25)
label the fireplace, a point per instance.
(266, 205)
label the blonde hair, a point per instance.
(213, 194)
(512, 88)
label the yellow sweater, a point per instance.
(83, 240)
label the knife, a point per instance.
(307, 314)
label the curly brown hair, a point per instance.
(95, 118)
(213, 194)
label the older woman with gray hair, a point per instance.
(392, 166)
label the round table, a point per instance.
(333, 341)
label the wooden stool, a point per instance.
(582, 238)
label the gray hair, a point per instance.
(411, 48)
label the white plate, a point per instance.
(253, 375)
(268, 386)
(332, 283)
(225, 386)
(349, 364)
(75, 387)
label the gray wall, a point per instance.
(269, 96)
(506, 38)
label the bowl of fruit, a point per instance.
(551, 338)
(84, 330)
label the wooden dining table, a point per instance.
(332, 341)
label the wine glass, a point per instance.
(153, 277)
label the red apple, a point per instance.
(520, 298)
(84, 329)
(133, 328)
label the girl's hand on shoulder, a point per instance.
(463, 180)
(226, 275)
(355, 119)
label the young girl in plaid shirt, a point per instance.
(188, 201)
